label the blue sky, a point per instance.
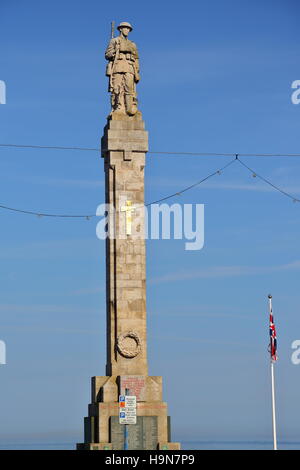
(216, 77)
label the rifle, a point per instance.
(112, 29)
(112, 64)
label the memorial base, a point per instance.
(102, 428)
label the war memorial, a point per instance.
(124, 146)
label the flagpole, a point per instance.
(273, 388)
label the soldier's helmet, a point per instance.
(124, 24)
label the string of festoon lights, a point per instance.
(236, 159)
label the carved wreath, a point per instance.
(128, 352)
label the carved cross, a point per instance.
(128, 209)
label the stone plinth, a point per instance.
(101, 435)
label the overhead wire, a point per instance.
(202, 154)
(178, 193)
(255, 174)
(89, 216)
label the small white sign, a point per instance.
(130, 401)
(127, 409)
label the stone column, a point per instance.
(123, 147)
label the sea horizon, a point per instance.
(185, 445)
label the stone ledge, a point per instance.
(169, 446)
(130, 125)
(94, 446)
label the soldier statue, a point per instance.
(123, 72)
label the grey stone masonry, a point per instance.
(124, 145)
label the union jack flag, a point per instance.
(273, 339)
